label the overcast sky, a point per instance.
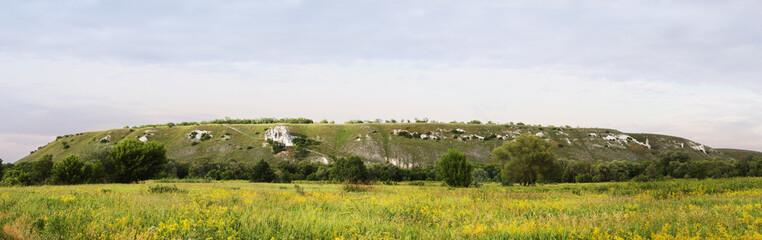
(684, 68)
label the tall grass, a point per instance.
(677, 209)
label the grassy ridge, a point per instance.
(677, 209)
(376, 142)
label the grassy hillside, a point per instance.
(404, 144)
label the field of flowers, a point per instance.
(676, 209)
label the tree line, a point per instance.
(526, 161)
(128, 161)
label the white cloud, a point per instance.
(681, 68)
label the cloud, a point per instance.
(16, 146)
(677, 41)
(681, 68)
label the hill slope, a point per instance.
(403, 144)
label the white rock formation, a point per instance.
(280, 134)
(143, 139)
(198, 134)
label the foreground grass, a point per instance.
(677, 209)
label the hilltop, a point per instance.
(402, 144)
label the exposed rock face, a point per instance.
(280, 134)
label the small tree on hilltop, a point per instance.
(135, 160)
(455, 169)
(69, 170)
(262, 172)
(527, 160)
(351, 170)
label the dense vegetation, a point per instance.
(674, 209)
(128, 161)
(98, 167)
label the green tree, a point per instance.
(351, 169)
(455, 169)
(670, 161)
(227, 175)
(527, 160)
(214, 174)
(41, 169)
(69, 170)
(262, 172)
(135, 160)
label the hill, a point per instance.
(403, 144)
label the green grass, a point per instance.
(677, 209)
(377, 143)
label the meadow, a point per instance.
(674, 209)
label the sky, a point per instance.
(686, 68)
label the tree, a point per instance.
(262, 172)
(669, 162)
(454, 169)
(351, 169)
(69, 170)
(135, 160)
(41, 169)
(527, 160)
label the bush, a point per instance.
(417, 183)
(277, 146)
(69, 171)
(347, 187)
(214, 174)
(135, 160)
(205, 136)
(164, 189)
(454, 169)
(303, 142)
(262, 172)
(351, 170)
(405, 134)
(584, 178)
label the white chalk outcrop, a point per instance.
(198, 134)
(280, 134)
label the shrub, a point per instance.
(351, 170)
(69, 170)
(277, 146)
(405, 134)
(347, 187)
(584, 178)
(303, 142)
(417, 183)
(164, 189)
(135, 160)
(214, 174)
(299, 190)
(262, 172)
(205, 136)
(227, 175)
(454, 169)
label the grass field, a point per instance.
(676, 209)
